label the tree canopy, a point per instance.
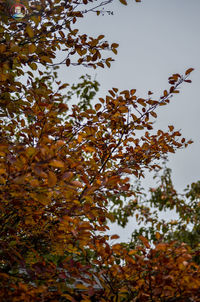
(65, 171)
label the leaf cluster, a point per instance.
(65, 171)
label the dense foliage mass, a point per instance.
(65, 173)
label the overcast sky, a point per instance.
(156, 38)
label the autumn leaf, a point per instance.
(66, 167)
(32, 48)
(33, 66)
(171, 128)
(30, 31)
(52, 179)
(81, 286)
(77, 183)
(123, 2)
(57, 163)
(114, 237)
(144, 241)
(188, 71)
(97, 107)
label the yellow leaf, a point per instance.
(36, 19)
(30, 31)
(30, 151)
(80, 286)
(68, 297)
(46, 59)
(33, 66)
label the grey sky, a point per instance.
(157, 38)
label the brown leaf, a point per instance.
(189, 71)
(52, 179)
(57, 163)
(123, 2)
(77, 183)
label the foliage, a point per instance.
(61, 167)
(85, 91)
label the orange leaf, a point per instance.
(144, 241)
(171, 128)
(114, 237)
(158, 235)
(161, 246)
(90, 149)
(188, 71)
(133, 91)
(80, 138)
(97, 106)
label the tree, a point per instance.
(185, 228)
(63, 166)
